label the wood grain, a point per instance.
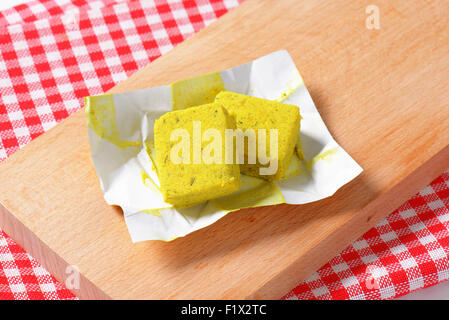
(383, 94)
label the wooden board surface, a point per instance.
(383, 94)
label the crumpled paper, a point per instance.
(121, 135)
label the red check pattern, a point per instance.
(22, 277)
(55, 52)
(405, 252)
(48, 66)
(52, 54)
(44, 9)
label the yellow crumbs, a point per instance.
(324, 156)
(154, 212)
(285, 95)
(293, 85)
(148, 182)
(170, 239)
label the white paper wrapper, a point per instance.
(121, 129)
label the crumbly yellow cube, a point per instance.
(256, 113)
(189, 182)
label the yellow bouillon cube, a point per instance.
(256, 113)
(190, 155)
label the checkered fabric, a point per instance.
(52, 54)
(22, 277)
(55, 52)
(44, 9)
(406, 251)
(49, 65)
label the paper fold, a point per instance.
(121, 132)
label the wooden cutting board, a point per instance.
(384, 95)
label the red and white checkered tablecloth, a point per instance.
(43, 9)
(404, 252)
(55, 52)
